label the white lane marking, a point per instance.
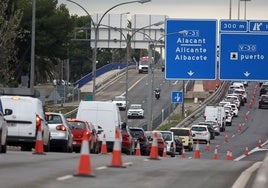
(245, 175)
(252, 151)
(64, 177)
(133, 85)
(101, 168)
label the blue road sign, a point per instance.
(243, 56)
(177, 97)
(258, 26)
(190, 49)
(233, 25)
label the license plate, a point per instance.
(11, 124)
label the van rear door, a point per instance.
(22, 122)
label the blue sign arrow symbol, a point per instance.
(247, 74)
(190, 73)
(177, 98)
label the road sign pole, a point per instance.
(150, 89)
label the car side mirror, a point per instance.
(8, 112)
(193, 135)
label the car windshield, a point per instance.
(180, 132)
(135, 106)
(119, 98)
(51, 118)
(195, 128)
(166, 136)
(77, 125)
(136, 133)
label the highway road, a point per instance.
(138, 92)
(23, 169)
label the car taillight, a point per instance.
(38, 121)
(61, 128)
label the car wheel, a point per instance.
(190, 147)
(47, 147)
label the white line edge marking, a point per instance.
(64, 177)
(245, 175)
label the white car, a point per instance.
(234, 109)
(121, 102)
(61, 135)
(169, 139)
(135, 110)
(200, 133)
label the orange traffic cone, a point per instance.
(84, 166)
(39, 146)
(246, 151)
(165, 151)
(138, 149)
(259, 143)
(183, 155)
(116, 155)
(197, 153)
(103, 145)
(207, 148)
(226, 138)
(215, 155)
(154, 148)
(229, 156)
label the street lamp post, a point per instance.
(245, 8)
(96, 32)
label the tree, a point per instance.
(9, 32)
(53, 28)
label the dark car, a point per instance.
(210, 128)
(264, 89)
(178, 144)
(139, 135)
(263, 101)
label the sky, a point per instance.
(192, 9)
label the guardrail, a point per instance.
(211, 100)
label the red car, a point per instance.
(128, 142)
(78, 128)
(160, 141)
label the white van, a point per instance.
(27, 115)
(216, 113)
(101, 113)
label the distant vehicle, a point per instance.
(139, 135)
(160, 141)
(27, 115)
(263, 101)
(104, 114)
(216, 113)
(135, 111)
(169, 138)
(215, 126)
(143, 64)
(78, 129)
(200, 133)
(3, 129)
(61, 135)
(157, 93)
(186, 135)
(210, 129)
(264, 89)
(121, 102)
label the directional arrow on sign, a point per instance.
(177, 97)
(190, 73)
(247, 74)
